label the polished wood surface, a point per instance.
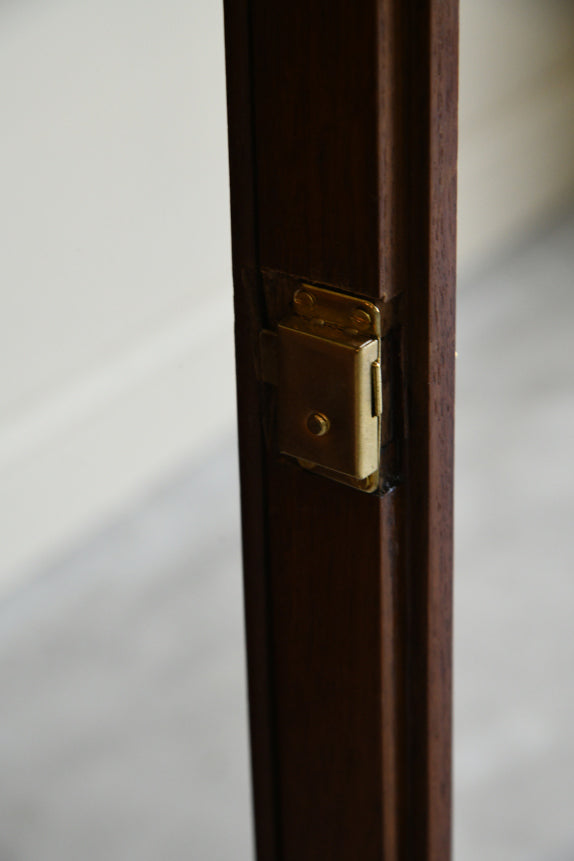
(342, 132)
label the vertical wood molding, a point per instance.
(430, 138)
(342, 131)
(248, 321)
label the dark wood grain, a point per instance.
(248, 322)
(342, 132)
(430, 37)
(332, 585)
(318, 111)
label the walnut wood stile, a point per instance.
(430, 137)
(342, 138)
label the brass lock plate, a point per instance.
(329, 384)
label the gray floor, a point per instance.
(123, 730)
(123, 727)
(514, 644)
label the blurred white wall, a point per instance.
(116, 329)
(516, 152)
(115, 280)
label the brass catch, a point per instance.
(328, 374)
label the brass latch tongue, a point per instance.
(329, 382)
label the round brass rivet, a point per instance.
(318, 424)
(361, 318)
(304, 301)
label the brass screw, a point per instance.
(318, 424)
(304, 301)
(361, 318)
